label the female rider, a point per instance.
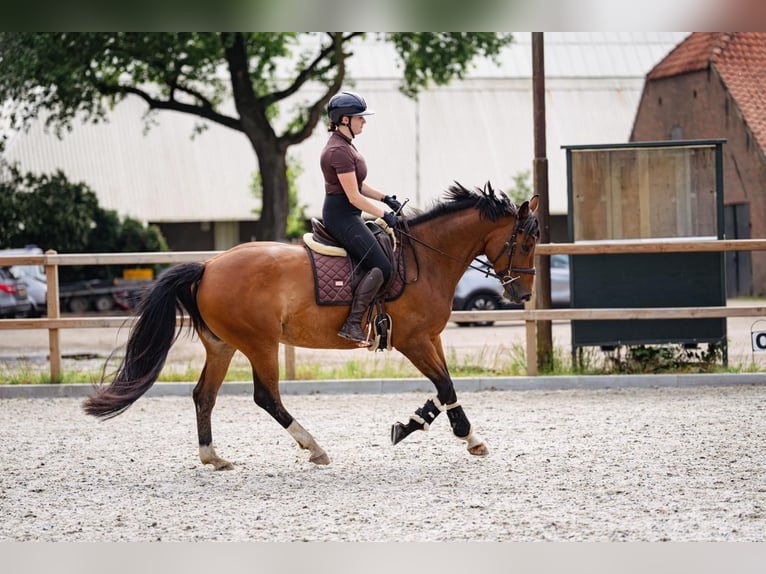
(346, 196)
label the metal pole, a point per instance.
(543, 280)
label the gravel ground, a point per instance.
(651, 464)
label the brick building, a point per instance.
(712, 86)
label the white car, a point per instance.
(478, 292)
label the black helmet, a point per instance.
(347, 104)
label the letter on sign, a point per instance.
(759, 340)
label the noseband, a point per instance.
(506, 276)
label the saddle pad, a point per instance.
(334, 285)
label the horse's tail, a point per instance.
(150, 339)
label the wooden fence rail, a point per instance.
(54, 322)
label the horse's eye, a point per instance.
(526, 248)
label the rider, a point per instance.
(346, 196)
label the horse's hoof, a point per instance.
(479, 450)
(222, 465)
(322, 459)
(398, 433)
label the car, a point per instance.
(478, 291)
(34, 278)
(14, 299)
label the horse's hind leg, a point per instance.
(217, 363)
(265, 363)
(428, 357)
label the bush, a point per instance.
(54, 213)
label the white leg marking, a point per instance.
(208, 455)
(307, 442)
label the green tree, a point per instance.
(74, 76)
(51, 212)
(54, 213)
(520, 190)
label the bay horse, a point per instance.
(257, 295)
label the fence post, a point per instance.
(54, 312)
(289, 362)
(531, 333)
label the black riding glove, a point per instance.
(390, 201)
(390, 219)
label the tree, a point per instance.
(76, 76)
(296, 215)
(53, 213)
(49, 211)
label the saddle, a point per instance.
(336, 274)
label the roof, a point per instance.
(739, 58)
(567, 55)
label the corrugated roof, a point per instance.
(567, 55)
(740, 60)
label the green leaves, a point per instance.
(439, 57)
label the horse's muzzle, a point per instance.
(516, 292)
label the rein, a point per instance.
(506, 276)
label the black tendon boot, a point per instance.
(365, 292)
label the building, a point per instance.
(711, 86)
(197, 189)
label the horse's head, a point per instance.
(513, 257)
(506, 233)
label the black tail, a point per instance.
(150, 340)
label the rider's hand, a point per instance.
(390, 201)
(390, 219)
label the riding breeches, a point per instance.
(346, 226)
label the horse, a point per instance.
(257, 295)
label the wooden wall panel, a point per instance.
(643, 193)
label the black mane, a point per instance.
(491, 205)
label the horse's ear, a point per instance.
(528, 207)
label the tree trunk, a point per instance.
(272, 163)
(272, 155)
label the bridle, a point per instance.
(505, 277)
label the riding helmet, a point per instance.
(347, 104)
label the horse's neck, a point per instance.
(456, 239)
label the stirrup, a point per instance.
(382, 333)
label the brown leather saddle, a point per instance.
(336, 274)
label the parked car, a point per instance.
(476, 291)
(34, 278)
(14, 300)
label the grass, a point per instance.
(488, 362)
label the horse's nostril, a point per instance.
(525, 298)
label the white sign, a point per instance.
(759, 340)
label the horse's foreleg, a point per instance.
(429, 360)
(217, 362)
(463, 430)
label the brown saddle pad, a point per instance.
(335, 277)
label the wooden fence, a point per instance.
(54, 322)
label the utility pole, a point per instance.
(543, 277)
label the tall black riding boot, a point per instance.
(365, 292)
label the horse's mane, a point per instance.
(491, 204)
